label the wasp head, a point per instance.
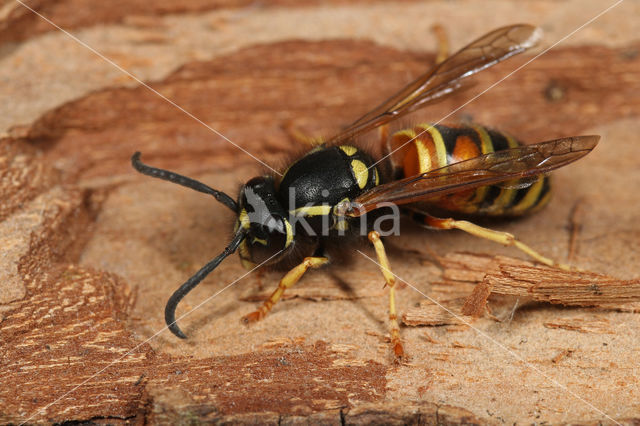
(268, 232)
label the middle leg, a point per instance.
(390, 279)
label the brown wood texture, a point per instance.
(21, 23)
(91, 250)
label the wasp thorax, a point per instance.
(268, 231)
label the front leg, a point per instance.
(292, 277)
(390, 279)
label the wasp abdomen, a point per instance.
(428, 147)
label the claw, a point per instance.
(252, 317)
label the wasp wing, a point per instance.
(446, 77)
(489, 169)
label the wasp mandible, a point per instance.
(338, 188)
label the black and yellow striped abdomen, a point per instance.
(428, 147)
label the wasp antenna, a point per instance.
(176, 297)
(182, 180)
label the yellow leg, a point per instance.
(443, 43)
(296, 135)
(390, 279)
(383, 134)
(292, 277)
(492, 235)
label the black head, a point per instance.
(260, 214)
(262, 232)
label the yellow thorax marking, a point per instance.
(259, 240)
(320, 210)
(348, 149)
(315, 149)
(361, 172)
(289, 233)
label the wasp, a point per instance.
(339, 189)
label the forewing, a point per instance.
(488, 169)
(446, 77)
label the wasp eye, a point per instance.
(262, 215)
(267, 240)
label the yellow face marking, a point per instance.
(243, 251)
(361, 172)
(348, 149)
(312, 210)
(438, 141)
(376, 179)
(243, 218)
(289, 233)
(259, 241)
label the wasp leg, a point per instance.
(294, 133)
(443, 43)
(383, 134)
(497, 236)
(292, 277)
(390, 279)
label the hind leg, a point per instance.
(296, 135)
(504, 238)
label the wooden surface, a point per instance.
(91, 250)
